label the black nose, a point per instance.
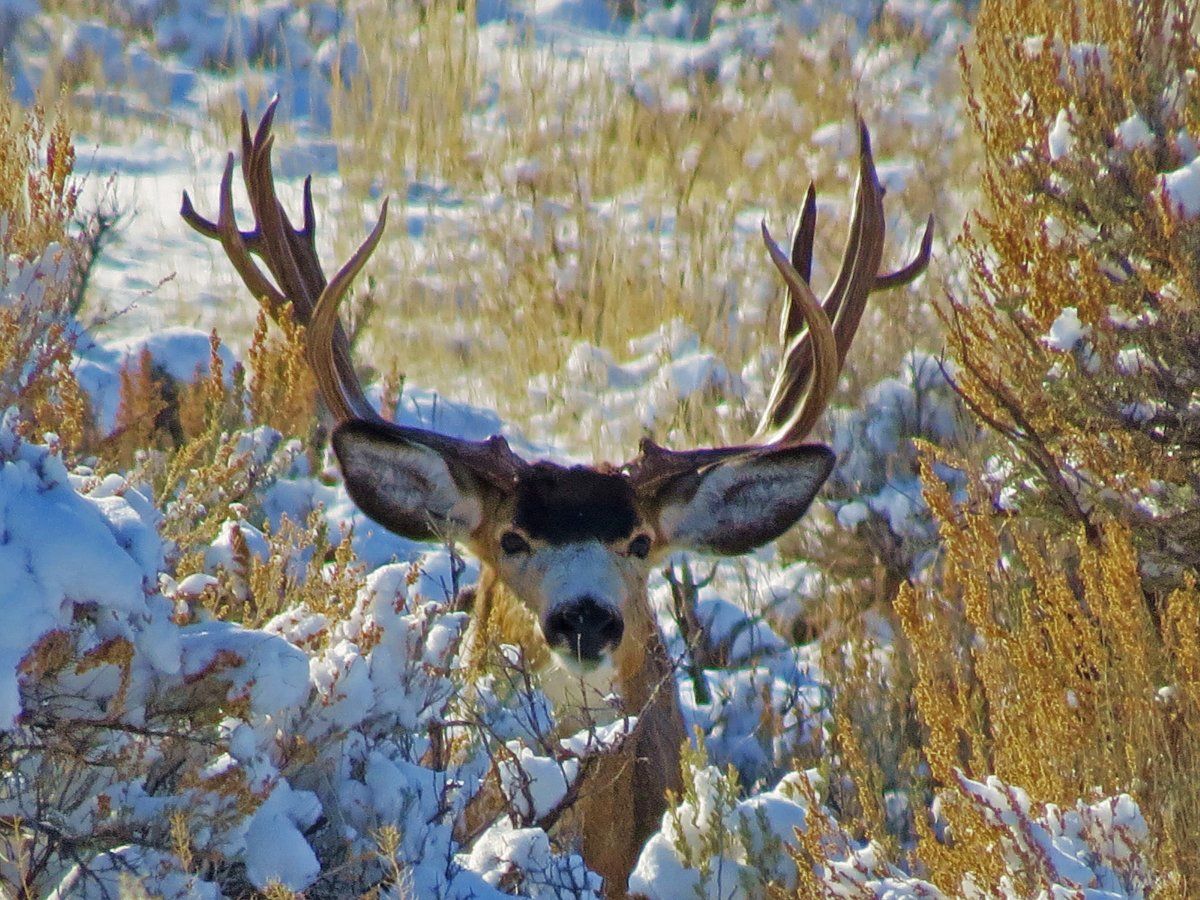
(583, 627)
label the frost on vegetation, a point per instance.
(296, 755)
(1100, 848)
(1180, 190)
(875, 488)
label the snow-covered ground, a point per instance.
(327, 770)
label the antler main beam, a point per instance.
(290, 255)
(816, 336)
(297, 279)
(786, 417)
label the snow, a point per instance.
(1067, 331)
(875, 488)
(502, 851)
(61, 548)
(1076, 60)
(1133, 133)
(106, 874)
(750, 833)
(182, 354)
(1060, 139)
(536, 784)
(1181, 190)
(1092, 847)
(265, 669)
(276, 850)
(323, 728)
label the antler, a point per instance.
(857, 278)
(816, 336)
(290, 255)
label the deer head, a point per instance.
(574, 544)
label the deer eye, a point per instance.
(512, 543)
(640, 546)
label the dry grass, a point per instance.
(591, 212)
(37, 204)
(615, 210)
(1055, 646)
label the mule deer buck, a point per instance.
(574, 545)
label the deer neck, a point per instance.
(640, 674)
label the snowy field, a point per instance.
(333, 747)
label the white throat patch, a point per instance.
(582, 699)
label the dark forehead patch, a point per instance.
(561, 506)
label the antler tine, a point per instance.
(791, 323)
(802, 417)
(656, 465)
(235, 243)
(913, 270)
(867, 192)
(803, 235)
(309, 229)
(863, 266)
(264, 124)
(847, 297)
(294, 265)
(336, 380)
(289, 253)
(210, 229)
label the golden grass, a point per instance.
(616, 213)
(1055, 646)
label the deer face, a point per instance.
(575, 545)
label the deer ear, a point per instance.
(406, 487)
(743, 502)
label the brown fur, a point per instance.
(635, 778)
(426, 485)
(622, 797)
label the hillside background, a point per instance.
(974, 670)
